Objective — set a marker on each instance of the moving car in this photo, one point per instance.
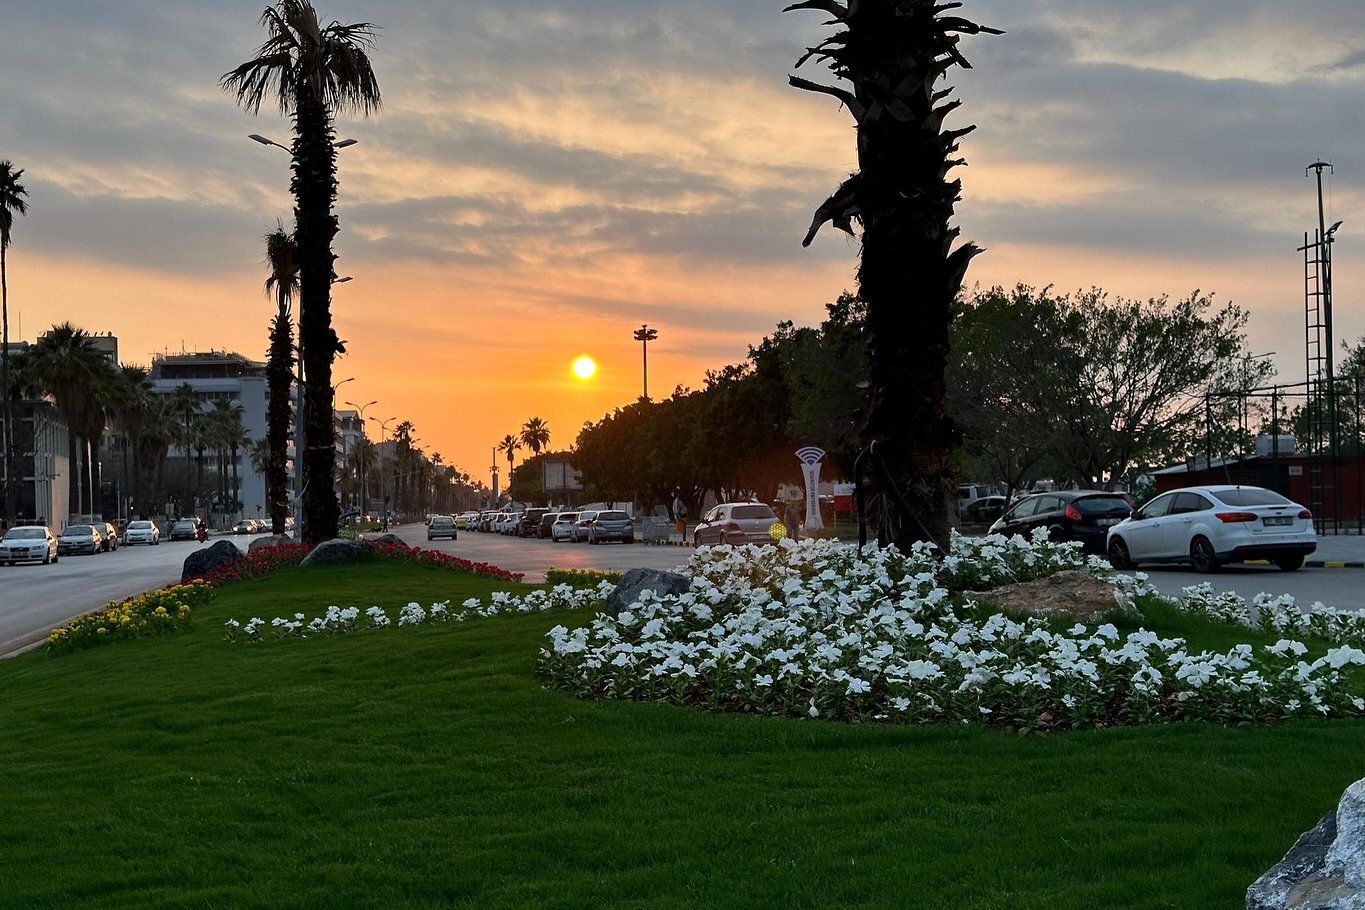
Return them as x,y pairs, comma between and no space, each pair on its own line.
735,523
611,525
1083,516
562,529
245,526
1209,526
185,529
141,532
441,526
80,539
33,542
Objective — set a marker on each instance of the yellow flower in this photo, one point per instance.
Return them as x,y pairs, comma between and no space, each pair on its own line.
102,630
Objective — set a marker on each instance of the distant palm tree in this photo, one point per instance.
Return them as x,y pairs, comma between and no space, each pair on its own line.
535,435
186,404
282,258
12,195
894,52
228,435
259,453
312,72
132,412
509,444
364,460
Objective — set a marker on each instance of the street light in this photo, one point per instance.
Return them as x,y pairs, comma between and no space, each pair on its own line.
360,408
343,144
644,334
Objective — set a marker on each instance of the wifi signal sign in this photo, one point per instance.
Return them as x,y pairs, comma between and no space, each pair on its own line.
810,455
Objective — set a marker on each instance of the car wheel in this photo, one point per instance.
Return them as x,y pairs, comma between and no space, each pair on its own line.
1202,557
1289,562
1119,556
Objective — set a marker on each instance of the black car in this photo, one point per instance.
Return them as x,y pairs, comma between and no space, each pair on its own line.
528,525
185,529
547,522
1084,516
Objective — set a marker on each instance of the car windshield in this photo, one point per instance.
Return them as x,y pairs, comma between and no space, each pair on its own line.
440,521
140,526
612,516
25,534
77,531
1252,497
1098,505
184,524
757,511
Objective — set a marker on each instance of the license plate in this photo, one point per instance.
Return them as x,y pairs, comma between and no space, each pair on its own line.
1107,521
1276,521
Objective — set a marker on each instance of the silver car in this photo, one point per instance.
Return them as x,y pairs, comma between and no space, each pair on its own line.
80,539
33,543
611,525
736,523
141,532
562,529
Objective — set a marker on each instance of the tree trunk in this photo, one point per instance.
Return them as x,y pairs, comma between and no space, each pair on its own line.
11,461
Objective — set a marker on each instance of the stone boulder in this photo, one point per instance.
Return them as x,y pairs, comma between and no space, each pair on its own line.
208,559
273,540
637,581
388,539
330,552
1064,595
1325,869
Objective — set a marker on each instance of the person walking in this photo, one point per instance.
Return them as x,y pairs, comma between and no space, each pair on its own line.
791,517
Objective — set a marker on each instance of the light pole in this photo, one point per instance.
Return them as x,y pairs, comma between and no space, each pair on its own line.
644,334
383,438
360,472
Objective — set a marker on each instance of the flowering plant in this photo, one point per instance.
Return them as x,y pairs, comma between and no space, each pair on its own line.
153,613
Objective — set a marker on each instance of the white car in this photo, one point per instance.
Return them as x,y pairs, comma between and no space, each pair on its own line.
141,532
1209,526
33,542
563,527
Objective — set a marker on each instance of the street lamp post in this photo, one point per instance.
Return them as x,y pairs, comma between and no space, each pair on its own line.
644,334
383,438
360,472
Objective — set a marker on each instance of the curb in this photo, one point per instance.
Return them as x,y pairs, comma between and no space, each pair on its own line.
1314,563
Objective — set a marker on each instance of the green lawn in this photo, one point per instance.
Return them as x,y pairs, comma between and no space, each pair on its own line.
427,768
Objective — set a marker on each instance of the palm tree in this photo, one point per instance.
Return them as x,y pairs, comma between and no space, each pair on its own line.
363,460
282,258
535,435
132,412
894,52
313,72
509,444
186,404
12,195
228,435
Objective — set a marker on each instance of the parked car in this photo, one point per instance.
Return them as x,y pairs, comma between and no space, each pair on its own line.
528,522
562,529
579,532
611,525
110,535
1213,525
984,510
466,520
80,539
735,523
506,524
184,529
141,532
546,527
32,542
1083,516
441,526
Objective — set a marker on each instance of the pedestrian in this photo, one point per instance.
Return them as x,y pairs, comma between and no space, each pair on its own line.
791,517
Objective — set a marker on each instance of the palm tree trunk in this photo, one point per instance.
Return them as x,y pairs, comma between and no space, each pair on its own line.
11,462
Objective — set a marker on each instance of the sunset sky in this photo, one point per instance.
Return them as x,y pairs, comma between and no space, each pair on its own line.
545,177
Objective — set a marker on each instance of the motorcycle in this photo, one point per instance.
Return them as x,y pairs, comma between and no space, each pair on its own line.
200,534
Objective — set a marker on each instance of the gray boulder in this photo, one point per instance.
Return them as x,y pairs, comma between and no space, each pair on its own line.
207,559
273,540
388,539
637,581
330,552
1325,869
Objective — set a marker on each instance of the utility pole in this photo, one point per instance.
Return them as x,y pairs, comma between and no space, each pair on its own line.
644,334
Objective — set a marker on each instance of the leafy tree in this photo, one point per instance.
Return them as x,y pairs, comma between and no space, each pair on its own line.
12,203
133,410
313,72
894,52
281,254
508,447
535,435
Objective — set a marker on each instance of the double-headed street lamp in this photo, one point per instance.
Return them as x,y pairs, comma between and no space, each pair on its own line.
644,334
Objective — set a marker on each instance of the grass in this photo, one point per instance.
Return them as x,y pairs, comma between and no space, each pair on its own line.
418,768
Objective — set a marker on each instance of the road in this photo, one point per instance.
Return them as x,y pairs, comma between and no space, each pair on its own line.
34,599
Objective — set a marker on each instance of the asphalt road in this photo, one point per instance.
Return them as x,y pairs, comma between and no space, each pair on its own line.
35,599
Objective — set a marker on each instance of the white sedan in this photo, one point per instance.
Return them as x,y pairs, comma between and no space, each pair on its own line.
1209,526
33,542
141,532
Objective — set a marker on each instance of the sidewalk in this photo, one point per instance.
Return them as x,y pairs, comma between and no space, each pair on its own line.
1338,551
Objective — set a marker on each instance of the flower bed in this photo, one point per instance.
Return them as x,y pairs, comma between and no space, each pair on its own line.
154,613
263,560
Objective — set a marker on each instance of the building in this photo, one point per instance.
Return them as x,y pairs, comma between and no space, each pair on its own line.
43,442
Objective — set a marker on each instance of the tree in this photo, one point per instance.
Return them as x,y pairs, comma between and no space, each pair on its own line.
313,73
12,195
894,52
509,446
535,435
281,255
186,404
132,412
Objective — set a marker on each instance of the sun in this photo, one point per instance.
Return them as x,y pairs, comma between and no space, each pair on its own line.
584,367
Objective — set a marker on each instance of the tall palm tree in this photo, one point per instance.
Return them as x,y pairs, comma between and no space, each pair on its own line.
364,460
894,52
228,435
312,72
535,435
282,259
186,404
509,445
12,195
132,411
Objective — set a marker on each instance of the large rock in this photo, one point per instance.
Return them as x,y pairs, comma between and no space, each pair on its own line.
274,540
207,559
1325,869
637,581
330,552
388,539
1066,594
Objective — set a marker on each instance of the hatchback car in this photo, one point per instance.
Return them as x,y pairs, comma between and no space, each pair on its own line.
1083,516
611,525
984,510
563,527
1210,526
736,523
80,539
579,532
33,542
141,532
441,526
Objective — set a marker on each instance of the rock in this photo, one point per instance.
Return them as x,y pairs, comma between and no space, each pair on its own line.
273,540
1066,594
1325,869
637,581
207,559
330,552
388,539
